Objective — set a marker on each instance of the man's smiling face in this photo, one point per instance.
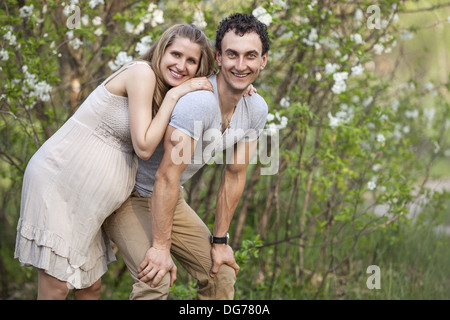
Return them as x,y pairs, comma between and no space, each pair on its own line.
241,59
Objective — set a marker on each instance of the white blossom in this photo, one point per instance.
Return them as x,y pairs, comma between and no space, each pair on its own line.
359,14
356,38
312,37
284,102
158,17
199,20
272,126
429,113
281,3
4,55
85,20
26,11
271,129
97,21
395,17
98,32
378,48
357,70
312,5
339,84
412,113
94,3
331,68
371,185
329,43
344,115
340,76
437,147
381,138
262,15
429,86
283,122
334,121
339,87
144,45
35,88
303,20
121,59
397,133
10,37
76,43
42,90
69,9
139,28
367,101
129,27
69,34
406,35
376,167
395,104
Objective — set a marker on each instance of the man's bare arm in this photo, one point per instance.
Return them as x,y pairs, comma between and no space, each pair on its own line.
178,150
230,191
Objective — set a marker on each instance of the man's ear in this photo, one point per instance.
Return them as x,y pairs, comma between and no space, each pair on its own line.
218,58
264,57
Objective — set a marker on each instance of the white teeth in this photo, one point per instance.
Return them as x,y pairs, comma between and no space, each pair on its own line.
240,75
176,74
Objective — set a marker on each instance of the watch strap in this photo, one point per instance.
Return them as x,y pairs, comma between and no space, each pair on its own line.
219,240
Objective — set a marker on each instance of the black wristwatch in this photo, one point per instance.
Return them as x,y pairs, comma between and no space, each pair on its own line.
219,240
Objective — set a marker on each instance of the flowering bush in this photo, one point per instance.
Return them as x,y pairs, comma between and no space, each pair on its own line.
352,140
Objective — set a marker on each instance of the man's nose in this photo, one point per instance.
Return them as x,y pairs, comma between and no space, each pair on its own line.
240,64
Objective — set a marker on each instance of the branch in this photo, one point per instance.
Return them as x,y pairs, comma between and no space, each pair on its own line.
438,6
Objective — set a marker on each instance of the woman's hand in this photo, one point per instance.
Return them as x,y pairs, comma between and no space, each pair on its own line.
193,84
250,90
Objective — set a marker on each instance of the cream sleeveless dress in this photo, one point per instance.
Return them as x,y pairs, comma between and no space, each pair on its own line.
79,176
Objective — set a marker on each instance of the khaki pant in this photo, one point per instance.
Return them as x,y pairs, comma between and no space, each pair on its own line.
130,229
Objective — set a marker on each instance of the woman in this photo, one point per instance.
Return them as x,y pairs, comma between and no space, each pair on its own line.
87,168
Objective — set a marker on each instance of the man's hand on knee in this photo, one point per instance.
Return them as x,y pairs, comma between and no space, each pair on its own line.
156,264
222,254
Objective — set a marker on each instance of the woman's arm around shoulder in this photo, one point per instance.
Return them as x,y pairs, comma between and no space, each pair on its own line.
140,84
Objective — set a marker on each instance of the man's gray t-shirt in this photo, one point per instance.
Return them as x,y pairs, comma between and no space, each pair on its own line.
197,114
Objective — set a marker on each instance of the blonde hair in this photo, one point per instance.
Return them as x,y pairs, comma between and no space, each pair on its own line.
155,53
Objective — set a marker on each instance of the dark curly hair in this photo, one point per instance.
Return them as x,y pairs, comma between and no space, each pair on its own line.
242,24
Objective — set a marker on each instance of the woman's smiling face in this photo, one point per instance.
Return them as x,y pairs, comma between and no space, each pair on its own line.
180,61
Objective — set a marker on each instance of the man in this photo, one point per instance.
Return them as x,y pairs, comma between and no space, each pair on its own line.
203,124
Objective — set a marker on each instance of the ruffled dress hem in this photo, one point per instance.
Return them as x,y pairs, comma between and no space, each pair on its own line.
46,250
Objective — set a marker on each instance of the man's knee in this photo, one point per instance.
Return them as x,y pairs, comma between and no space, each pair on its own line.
220,287
144,291
226,276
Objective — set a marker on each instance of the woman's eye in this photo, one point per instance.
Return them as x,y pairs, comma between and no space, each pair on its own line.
175,54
